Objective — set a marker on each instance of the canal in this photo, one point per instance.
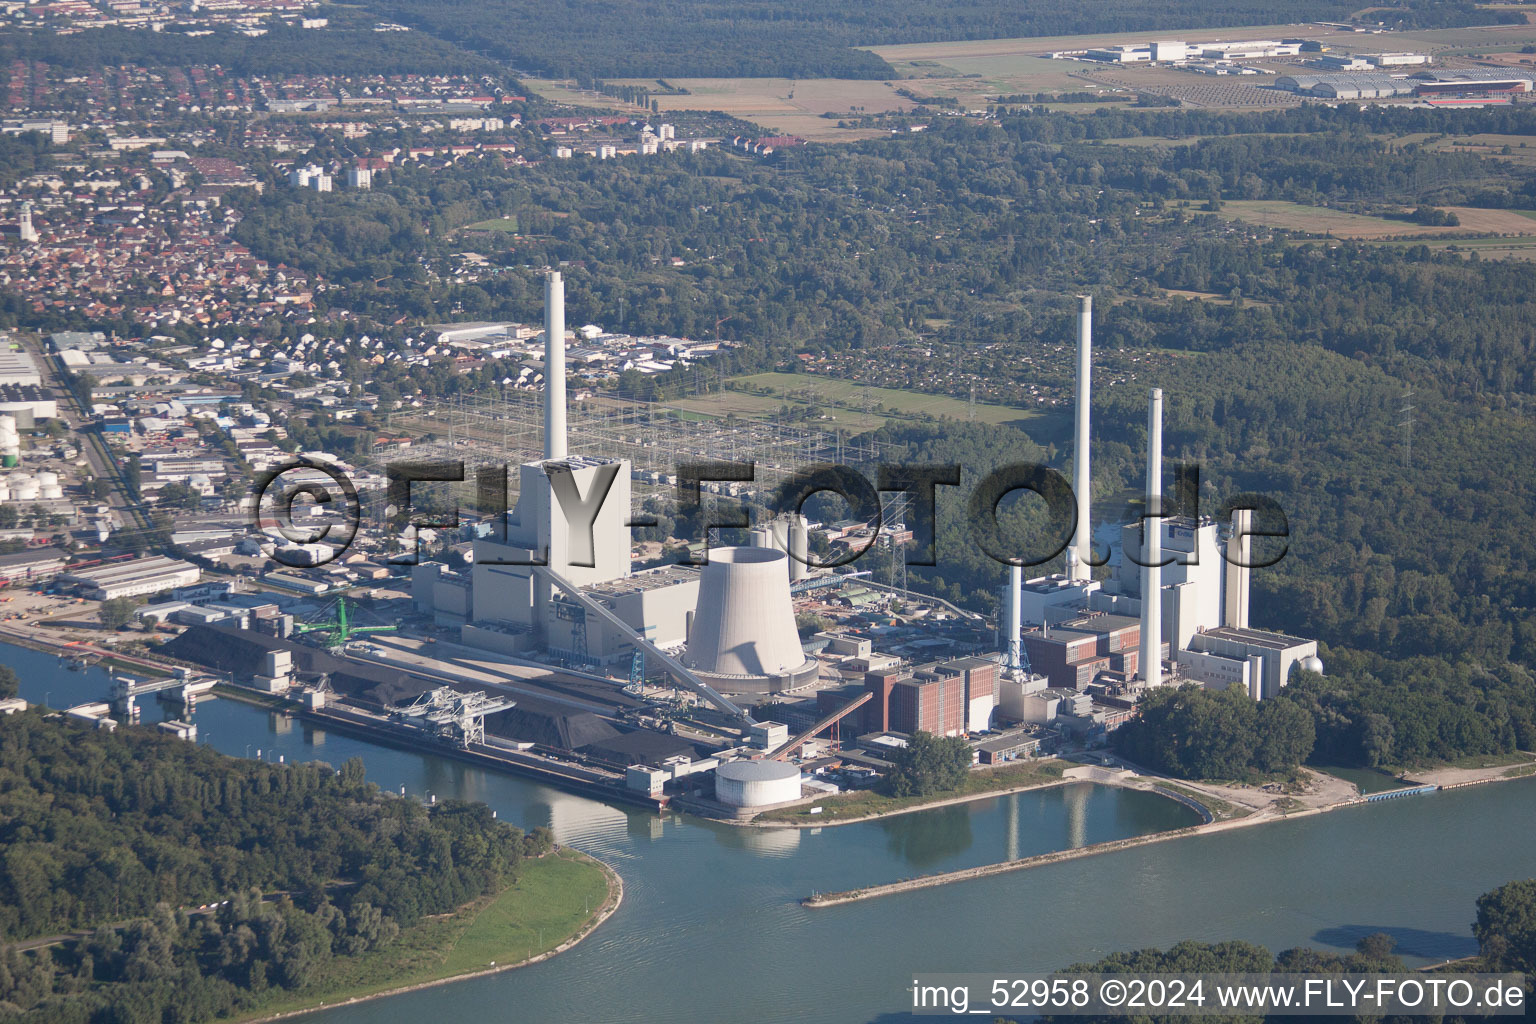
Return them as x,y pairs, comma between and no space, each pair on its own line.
711,929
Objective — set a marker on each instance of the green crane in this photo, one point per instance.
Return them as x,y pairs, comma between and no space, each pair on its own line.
340,629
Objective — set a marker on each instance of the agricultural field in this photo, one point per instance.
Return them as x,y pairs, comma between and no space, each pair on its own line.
781,105
847,405
1319,220
1485,248
1520,148
975,72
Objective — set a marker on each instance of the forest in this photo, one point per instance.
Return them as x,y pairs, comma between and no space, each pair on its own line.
124,835
346,47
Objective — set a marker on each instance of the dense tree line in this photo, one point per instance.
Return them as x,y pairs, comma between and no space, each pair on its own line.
346,47
1216,734
928,764
127,834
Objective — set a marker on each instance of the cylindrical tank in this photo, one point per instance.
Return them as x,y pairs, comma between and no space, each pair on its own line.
756,783
5,492
799,548
10,460
47,478
51,492
25,490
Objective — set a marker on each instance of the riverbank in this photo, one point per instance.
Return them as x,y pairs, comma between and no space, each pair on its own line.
1276,811
557,901
868,805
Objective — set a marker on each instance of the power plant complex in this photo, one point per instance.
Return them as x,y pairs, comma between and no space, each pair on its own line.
550,652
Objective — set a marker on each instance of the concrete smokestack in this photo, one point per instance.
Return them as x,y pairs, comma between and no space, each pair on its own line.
1013,628
554,366
1079,568
1152,532
1239,552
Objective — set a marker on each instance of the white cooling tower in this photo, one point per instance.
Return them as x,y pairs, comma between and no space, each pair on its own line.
743,638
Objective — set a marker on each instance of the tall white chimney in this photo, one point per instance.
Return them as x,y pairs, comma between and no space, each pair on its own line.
554,366
1239,552
1080,567
1015,623
1152,548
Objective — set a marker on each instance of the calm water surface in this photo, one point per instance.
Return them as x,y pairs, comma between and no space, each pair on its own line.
711,929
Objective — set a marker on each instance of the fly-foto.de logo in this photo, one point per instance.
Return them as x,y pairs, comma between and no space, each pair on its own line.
334,511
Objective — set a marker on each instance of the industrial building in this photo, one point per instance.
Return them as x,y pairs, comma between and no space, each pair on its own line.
1429,84
133,578
1110,633
1361,85
17,367
949,698
553,576
29,405
1259,662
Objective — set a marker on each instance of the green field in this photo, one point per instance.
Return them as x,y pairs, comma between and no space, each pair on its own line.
846,404
507,224
554,899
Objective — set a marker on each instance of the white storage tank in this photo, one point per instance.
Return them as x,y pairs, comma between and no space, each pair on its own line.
757,783
47,478
24,487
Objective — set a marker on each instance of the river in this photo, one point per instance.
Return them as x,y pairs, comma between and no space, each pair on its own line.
711,929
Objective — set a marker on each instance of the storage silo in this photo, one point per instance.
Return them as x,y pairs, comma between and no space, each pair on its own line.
757,783
10,443
24,487
799,548
743,638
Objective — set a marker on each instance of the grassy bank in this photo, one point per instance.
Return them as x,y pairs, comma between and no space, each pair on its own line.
868,803
555,900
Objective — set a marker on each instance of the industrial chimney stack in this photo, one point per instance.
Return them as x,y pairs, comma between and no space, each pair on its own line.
554,366
1239,555
1152,532
1080,568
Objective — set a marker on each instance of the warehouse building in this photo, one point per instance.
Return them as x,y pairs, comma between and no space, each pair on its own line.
1364,85
133,578
28,404
18,368
31,565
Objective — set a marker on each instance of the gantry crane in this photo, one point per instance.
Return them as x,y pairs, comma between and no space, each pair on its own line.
340,629
451,715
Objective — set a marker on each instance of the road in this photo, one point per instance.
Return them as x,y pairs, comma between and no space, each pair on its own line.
102,463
